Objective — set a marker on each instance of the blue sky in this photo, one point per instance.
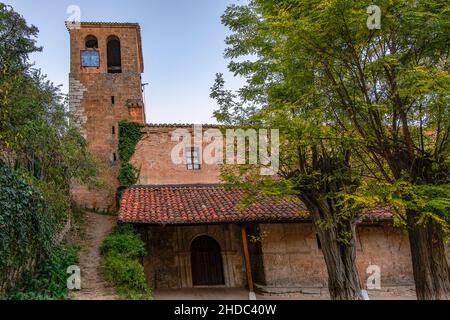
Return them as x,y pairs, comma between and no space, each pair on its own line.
183,43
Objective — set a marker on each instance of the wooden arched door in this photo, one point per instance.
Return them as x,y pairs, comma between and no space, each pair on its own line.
206,262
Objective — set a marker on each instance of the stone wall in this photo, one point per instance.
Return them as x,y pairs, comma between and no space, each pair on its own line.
286,258
290,256
91,93
167,263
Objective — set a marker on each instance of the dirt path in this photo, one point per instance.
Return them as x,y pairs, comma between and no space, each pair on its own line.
97,227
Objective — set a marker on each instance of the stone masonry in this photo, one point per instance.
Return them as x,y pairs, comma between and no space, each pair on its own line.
100,100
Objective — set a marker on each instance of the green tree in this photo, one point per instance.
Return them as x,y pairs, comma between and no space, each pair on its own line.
387,89
39,138
317,166
317,163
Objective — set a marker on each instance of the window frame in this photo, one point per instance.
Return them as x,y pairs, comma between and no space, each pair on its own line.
192,161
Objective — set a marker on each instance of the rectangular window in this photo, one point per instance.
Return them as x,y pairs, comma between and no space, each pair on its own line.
113,130
193,158
113,100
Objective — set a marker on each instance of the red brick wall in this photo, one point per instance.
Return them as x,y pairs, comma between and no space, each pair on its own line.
153,159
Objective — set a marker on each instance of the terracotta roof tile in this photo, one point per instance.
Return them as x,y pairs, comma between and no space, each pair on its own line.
209,204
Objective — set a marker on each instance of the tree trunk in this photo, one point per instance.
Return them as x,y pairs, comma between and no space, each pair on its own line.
340,258
430,266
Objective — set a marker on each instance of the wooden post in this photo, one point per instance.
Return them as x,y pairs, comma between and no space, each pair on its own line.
248,266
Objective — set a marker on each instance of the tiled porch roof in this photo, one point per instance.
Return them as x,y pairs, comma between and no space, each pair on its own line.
209,204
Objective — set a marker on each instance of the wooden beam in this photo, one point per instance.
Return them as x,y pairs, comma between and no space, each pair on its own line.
248,266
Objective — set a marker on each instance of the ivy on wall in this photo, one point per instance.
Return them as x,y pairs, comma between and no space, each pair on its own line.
129,136
49,280
26,228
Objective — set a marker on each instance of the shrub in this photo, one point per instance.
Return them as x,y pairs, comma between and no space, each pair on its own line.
125,244
50,280
127,275
122,252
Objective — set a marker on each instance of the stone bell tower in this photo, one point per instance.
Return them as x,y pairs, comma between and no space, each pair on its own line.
105,87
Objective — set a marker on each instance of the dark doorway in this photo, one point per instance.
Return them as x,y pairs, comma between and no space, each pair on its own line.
206,261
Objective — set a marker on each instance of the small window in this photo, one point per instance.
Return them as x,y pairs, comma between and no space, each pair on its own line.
193,158
319,244
113,130
114,157
113,100
91,42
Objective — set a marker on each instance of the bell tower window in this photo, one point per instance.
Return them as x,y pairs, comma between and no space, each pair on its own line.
114,55
91,42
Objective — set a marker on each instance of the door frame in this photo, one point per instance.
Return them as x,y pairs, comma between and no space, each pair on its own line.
222,265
